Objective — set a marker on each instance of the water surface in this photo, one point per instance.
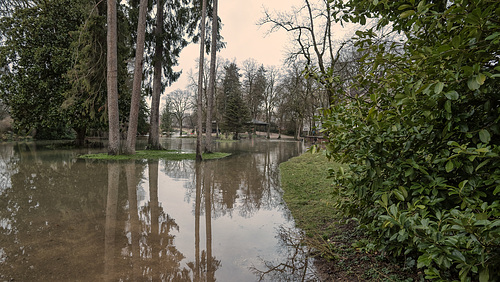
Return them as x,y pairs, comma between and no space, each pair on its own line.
67,219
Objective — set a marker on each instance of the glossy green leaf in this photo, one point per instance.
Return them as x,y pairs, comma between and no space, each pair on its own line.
497,190
398,195
449,166
473,84
406,14
404,7
384,199
447,106
452,95
484,275
493,36
480,78
483,163
438,87
484,136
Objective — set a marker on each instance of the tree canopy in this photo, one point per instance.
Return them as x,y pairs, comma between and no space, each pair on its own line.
37,56
235,112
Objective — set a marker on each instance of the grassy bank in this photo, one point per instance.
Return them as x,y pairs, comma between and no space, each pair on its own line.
308,193
336,242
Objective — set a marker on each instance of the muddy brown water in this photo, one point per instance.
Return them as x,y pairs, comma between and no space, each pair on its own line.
68,219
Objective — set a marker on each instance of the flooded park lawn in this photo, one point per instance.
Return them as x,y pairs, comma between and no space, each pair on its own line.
69,219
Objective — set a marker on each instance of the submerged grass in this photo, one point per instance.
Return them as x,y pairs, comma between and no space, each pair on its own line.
173,155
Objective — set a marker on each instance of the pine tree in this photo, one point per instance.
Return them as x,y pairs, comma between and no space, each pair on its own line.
235,112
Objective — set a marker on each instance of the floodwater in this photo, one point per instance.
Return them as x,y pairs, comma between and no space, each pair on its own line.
68,219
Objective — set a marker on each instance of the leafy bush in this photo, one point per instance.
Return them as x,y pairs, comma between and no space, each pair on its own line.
423,142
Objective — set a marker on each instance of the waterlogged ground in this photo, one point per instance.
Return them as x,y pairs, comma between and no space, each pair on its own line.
69,219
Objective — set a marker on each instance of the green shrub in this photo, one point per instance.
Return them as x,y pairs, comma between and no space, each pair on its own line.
423,143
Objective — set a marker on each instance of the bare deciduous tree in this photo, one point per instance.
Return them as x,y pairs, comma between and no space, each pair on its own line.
180,103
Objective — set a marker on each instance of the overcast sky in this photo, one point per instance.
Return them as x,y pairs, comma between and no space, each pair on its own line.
244,38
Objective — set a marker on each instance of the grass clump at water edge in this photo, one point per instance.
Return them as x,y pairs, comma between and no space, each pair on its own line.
333,238
156,154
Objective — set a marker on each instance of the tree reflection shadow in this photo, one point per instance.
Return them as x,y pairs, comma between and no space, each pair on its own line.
68,219
298,265
149,250
205,263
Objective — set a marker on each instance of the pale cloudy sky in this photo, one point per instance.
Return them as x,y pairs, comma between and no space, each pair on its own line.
244,38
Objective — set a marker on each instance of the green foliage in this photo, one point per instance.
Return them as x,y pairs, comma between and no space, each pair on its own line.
423,143
168,44
54,70
166,118
86,99
36,54
235,112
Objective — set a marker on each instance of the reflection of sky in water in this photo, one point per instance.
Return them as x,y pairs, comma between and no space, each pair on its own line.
3,255
246,208
240,239
5,223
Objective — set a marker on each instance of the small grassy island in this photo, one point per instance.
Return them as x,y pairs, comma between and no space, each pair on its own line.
172,155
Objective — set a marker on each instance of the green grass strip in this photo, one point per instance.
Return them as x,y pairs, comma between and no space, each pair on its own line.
155,154
308,193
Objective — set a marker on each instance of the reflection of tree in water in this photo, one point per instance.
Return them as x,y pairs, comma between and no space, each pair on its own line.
205,264
246,182
298,265
181,171
150,248
59,221
249,181
53,203
178,170
7,165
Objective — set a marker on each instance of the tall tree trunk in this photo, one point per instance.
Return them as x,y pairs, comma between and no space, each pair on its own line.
199,136
211,84
154,129
136,87
112,80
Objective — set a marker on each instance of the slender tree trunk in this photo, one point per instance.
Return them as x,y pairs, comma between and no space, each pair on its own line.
199,136
211,84
180,125
136,87
197,212
111,215
135,225
154,129
207,184
112,80
155,215
268,129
